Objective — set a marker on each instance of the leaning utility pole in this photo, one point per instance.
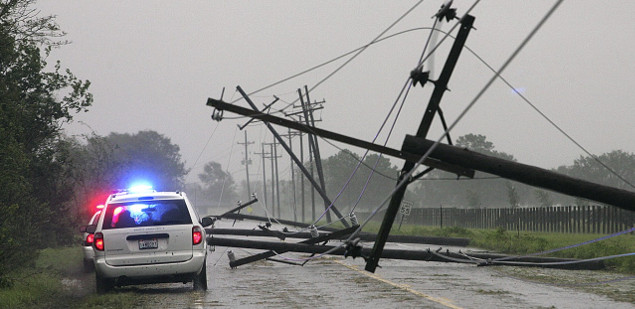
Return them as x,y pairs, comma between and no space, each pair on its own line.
313,148
275,158
440,86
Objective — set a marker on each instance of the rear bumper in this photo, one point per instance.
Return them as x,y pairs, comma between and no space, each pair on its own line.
88,253
152,273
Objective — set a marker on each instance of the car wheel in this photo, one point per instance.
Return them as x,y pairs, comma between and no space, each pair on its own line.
200,281
103,285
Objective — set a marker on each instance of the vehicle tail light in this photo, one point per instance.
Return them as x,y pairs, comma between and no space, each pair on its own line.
89,239
99,241
197,235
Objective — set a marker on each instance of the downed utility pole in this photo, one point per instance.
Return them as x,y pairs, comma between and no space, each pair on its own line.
240,206
451,159
530,175
271,253
220,105
363,236
481,259
440,86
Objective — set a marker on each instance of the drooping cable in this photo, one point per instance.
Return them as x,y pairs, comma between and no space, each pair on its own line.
406,179
568,247
231,151
358,52
460,117
406,88
204,147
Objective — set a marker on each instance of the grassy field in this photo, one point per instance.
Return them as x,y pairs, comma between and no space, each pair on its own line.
57,280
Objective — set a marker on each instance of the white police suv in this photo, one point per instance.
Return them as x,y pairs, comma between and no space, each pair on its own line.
149,237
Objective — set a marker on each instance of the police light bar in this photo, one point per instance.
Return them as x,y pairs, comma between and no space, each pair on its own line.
140,188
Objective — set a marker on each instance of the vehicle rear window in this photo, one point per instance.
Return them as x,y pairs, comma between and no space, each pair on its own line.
146,213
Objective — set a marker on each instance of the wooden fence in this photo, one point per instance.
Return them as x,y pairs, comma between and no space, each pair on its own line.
562,219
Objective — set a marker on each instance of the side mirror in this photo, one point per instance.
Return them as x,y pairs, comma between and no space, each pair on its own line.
82,229
91,228
207,221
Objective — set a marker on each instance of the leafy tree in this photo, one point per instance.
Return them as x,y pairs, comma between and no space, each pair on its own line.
588,168
374,179
34,103
147,156
218,185
103,164
620,172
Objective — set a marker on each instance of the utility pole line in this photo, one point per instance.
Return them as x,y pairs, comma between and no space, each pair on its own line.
302,178
295,159
310,121
275,158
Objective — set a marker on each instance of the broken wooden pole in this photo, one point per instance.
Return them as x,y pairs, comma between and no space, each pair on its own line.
443,241
235,216
419,255
270,253
220,105
440,87
240,206
527,174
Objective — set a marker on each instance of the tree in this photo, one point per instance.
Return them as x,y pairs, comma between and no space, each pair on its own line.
147,156
617,169
218,185
34,103
480,144
371,183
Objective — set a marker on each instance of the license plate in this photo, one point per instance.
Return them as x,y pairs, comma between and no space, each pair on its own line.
148,244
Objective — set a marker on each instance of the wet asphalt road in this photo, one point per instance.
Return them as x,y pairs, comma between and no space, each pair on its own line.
335,282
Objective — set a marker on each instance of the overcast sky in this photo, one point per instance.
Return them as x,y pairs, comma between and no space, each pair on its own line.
153,64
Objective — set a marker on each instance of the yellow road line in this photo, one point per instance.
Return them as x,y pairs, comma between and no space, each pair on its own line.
443,301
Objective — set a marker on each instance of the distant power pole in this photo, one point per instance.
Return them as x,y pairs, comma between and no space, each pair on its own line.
246,163
290,136
264,174
275,158
275,192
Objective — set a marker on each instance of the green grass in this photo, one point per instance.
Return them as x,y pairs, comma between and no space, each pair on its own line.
512,242
40,285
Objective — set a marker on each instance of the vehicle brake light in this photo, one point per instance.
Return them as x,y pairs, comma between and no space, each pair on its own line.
197,235
99,241
89,239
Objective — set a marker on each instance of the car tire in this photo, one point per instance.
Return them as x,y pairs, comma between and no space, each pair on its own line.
200,280
103,285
